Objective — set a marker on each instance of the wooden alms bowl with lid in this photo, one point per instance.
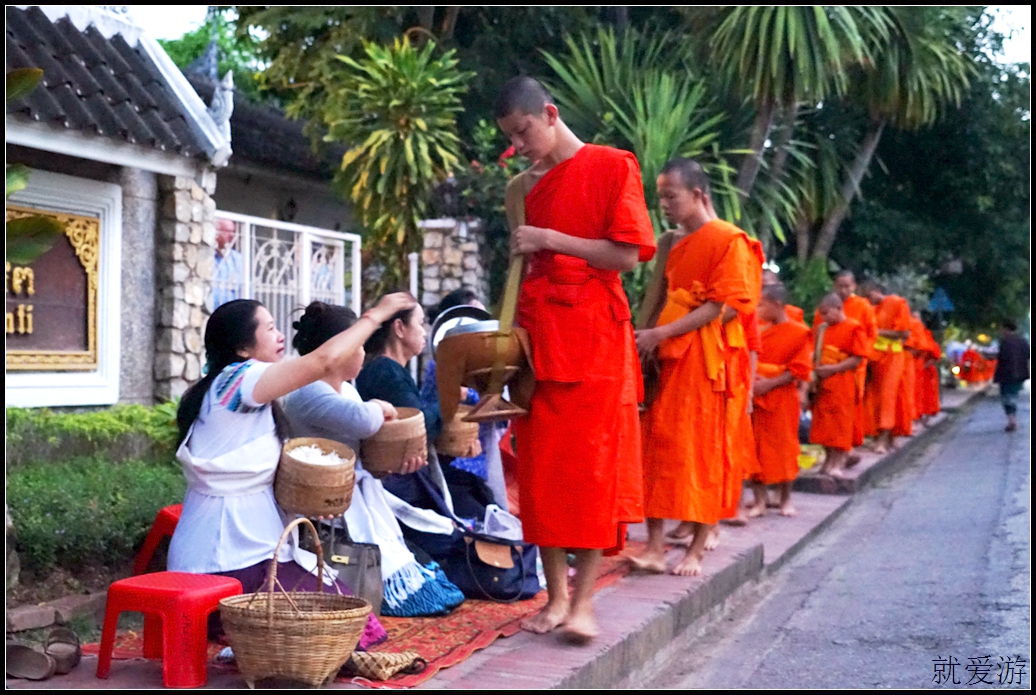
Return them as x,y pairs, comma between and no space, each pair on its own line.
395,443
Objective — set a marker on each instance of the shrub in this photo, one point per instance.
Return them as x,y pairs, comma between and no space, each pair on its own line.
86,511
119,433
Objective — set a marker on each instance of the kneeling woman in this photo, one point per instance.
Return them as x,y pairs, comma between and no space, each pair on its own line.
331,408
230,447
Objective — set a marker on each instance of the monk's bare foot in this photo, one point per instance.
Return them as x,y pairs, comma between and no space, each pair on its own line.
853,460
788,510
712,542
683,531
547,619
837,473
772,504
579,629
739,520
757,510
648,562
880,449
689,566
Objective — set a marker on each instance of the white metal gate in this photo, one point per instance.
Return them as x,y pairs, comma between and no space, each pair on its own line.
285,266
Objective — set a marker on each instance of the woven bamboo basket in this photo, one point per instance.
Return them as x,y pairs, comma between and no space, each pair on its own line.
301,636
459,438
396,442
312,489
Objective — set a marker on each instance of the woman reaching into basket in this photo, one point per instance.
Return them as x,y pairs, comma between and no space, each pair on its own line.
230,444
332,408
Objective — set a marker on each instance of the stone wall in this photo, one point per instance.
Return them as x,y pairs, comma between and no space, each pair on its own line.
185,253
452,258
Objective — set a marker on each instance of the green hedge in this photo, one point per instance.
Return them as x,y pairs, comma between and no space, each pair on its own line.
87,511
119,433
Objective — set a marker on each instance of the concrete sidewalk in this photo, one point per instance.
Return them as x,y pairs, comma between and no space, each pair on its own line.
639,616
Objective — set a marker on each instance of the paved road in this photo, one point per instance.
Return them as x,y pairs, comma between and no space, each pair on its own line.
933,564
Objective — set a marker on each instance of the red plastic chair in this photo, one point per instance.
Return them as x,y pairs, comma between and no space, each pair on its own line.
176,608
165,523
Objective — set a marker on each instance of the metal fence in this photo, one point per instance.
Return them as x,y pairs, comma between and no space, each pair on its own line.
285,266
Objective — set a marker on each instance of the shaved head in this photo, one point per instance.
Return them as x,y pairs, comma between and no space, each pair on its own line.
776,292
690,172
845,273
522,94
830,301
770,277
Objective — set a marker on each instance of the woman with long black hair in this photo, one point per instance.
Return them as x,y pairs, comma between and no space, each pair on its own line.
230,445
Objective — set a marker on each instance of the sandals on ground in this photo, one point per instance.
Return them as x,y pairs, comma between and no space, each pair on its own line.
26,662
62,645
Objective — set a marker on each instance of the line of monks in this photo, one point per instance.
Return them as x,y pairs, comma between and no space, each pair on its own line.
737,363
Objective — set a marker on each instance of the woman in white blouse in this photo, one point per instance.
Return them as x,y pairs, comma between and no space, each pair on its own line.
230,446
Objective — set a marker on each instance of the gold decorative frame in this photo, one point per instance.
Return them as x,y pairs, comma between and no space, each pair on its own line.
85,236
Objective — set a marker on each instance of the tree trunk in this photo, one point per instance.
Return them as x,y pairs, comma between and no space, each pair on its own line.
750,167
802,228
780,159
425,16
850,189
449,23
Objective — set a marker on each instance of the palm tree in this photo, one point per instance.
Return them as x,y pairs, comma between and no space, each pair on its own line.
777,57
914,76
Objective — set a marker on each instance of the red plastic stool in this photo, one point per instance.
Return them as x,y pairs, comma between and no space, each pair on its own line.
165,523
176,608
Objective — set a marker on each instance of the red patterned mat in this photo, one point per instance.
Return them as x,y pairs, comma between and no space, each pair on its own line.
442,642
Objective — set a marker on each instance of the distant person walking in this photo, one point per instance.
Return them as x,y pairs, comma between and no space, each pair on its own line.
1012,371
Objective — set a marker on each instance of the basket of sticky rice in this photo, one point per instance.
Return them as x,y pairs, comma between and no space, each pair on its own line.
395,443
315,477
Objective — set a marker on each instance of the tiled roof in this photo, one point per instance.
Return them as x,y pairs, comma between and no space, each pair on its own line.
264,135
98,85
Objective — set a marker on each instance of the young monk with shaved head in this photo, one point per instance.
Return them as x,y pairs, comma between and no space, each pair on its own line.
689,472
892,315
579,461
842,345
784,360
790,310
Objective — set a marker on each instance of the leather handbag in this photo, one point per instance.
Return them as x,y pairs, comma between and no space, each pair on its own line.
494,569
358,565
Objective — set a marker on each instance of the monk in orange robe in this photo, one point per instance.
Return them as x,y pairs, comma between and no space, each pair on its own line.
578,449
689,473
861,310
927,378
790,310
784,359
906,402
843,344
893,319
972,366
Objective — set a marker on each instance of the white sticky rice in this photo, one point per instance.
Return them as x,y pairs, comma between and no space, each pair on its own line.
313,454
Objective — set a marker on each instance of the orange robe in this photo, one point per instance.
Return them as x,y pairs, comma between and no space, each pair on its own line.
689,472
834,408
862,311
972,367
786,347
927,384
743,436
892,314
578,449
794,313
906,400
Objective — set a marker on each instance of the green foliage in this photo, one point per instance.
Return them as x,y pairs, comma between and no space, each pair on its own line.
21,82
237,51
119,432
86,511
397,109
807,283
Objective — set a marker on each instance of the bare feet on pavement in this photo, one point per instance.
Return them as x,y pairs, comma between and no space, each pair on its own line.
683,531
579,629
547,619
852,460
711,543
648,562
788,510
757,510
689,566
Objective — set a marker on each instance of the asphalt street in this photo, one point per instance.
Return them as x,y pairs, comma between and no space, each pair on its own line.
923,582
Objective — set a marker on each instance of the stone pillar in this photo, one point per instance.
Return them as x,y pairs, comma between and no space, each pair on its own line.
185,261
137,325
452,258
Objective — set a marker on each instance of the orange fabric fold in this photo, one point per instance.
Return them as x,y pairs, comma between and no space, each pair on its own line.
834,408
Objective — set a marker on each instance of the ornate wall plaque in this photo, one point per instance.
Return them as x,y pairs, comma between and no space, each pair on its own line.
51,321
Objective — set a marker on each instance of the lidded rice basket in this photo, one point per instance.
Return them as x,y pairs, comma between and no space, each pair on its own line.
313,489
459,438
395,443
